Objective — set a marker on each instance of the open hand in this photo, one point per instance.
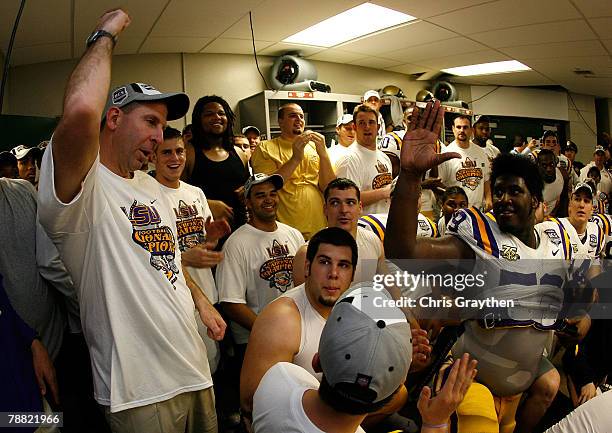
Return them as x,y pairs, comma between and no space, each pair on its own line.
437,410
216,229
201,256
418,152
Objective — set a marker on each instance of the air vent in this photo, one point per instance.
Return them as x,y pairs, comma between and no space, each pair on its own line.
583,72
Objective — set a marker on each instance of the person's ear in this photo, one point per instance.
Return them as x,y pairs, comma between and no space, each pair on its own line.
112,118
307,269
316,363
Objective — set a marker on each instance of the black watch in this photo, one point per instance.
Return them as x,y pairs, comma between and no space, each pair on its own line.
97,35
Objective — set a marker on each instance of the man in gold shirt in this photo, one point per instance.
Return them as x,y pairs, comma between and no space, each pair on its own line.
300,157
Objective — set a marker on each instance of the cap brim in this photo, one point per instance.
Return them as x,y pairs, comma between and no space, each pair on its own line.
177,103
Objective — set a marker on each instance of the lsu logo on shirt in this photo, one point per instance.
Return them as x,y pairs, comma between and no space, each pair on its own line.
189,225
278,270
469,174
384,177
155,238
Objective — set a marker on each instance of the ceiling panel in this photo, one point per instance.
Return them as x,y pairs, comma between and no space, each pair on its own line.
506,13
566,31
603,26
562,69
335,55
173,45
143,14
486,56
526,78
425,9
40,53
283,47
556,49
275,20
408,35
608,44
375,62
409,68
188,18
36,15
455,46
235,46
594,8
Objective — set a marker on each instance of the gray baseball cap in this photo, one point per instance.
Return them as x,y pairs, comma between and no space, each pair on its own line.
276,179
366,343
583,186
177,103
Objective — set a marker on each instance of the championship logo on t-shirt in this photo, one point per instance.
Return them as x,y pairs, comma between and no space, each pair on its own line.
469,175
278,270
383,178
189,225
157,239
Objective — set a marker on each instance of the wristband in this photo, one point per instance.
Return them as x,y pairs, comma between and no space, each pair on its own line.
426,425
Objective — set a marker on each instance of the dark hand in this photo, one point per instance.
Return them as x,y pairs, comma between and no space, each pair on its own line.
419,145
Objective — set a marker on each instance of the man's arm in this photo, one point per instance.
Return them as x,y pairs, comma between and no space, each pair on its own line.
375,195
239,313
488,198
275,337
208,314
299,266
76,139
418,155
262,164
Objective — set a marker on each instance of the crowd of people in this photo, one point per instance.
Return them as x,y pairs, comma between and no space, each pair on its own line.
204,280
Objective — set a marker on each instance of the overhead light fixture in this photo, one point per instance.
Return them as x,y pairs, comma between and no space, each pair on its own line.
361,20
488,68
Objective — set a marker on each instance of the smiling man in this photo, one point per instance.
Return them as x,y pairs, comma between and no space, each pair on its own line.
289,328
117,236
258,264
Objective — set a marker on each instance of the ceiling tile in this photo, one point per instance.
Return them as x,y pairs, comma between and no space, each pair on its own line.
449,47
425,9
408,35
188,18
41,53
335,55
485,56
603,26
235,46
375,62
143,14
608,44
576,30
594,8
283,47
525,78
270,24
409,68
173,45
562,69
36,16
556,49
504,14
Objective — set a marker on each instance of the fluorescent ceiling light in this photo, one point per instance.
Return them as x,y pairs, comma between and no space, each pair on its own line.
359,21
488,68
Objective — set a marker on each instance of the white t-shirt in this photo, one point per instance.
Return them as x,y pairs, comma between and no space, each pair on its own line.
594,416
552,192
370,249
470,172
257,268
335,152
370,170
277,402
190,209
492,151
117,238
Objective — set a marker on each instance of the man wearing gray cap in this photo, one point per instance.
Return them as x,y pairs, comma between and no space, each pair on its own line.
364,355
26,162
252,134
118,238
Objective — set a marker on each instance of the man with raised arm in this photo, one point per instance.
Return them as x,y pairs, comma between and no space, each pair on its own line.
117,235
508,345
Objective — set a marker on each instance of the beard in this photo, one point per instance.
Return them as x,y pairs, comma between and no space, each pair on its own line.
328,302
